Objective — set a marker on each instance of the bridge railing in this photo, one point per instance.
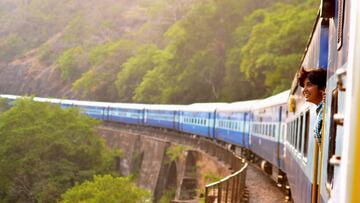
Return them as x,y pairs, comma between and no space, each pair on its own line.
229,189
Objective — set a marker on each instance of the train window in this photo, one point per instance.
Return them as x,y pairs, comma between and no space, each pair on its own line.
266,129
294,133
270,131
274,130
306,136
291,133
301,132
332,139
297,134
260,128
283,132
288,132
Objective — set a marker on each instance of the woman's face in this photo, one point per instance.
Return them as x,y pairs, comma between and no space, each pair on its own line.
312,93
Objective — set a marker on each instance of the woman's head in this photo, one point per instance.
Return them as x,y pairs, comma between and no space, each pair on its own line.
314,84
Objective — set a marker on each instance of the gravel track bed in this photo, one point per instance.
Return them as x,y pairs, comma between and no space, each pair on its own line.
261,188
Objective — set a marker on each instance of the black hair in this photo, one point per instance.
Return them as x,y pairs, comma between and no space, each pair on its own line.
316,76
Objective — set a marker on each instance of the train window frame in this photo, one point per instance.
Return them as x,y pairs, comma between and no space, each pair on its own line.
292,133
305,151
283,131
274,130
288,133
297,134
301,131
266,130
330,171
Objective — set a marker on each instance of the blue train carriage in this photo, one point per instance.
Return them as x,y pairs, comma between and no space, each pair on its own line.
307,165
10,99
98,110
199,118
163,116
267,132
126,113
233,123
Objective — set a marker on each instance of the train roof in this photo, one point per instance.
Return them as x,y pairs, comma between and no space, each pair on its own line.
277,99
204,107
169,107
51,100
85,103
239,106
127,105
8,96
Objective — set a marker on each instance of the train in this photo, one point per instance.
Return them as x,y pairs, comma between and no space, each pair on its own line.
278,131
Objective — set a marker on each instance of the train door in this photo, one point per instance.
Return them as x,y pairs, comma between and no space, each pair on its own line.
177,120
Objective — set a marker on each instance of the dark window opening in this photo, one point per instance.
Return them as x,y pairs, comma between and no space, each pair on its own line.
301,132
332,138
306,136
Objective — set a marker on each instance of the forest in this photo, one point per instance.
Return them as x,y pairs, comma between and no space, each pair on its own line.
49,154
160,51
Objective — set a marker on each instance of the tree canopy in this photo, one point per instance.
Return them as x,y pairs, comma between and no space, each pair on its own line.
106,189
45,150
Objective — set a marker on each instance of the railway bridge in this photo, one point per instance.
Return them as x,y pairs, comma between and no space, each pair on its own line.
166,161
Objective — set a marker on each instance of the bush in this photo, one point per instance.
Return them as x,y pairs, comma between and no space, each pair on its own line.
106,189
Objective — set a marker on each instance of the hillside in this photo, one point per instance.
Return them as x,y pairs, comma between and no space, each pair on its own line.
152,51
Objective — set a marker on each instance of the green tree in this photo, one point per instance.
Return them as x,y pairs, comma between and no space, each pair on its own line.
106,60
44,150
69,63
134,69
106,189
11,46
274,47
